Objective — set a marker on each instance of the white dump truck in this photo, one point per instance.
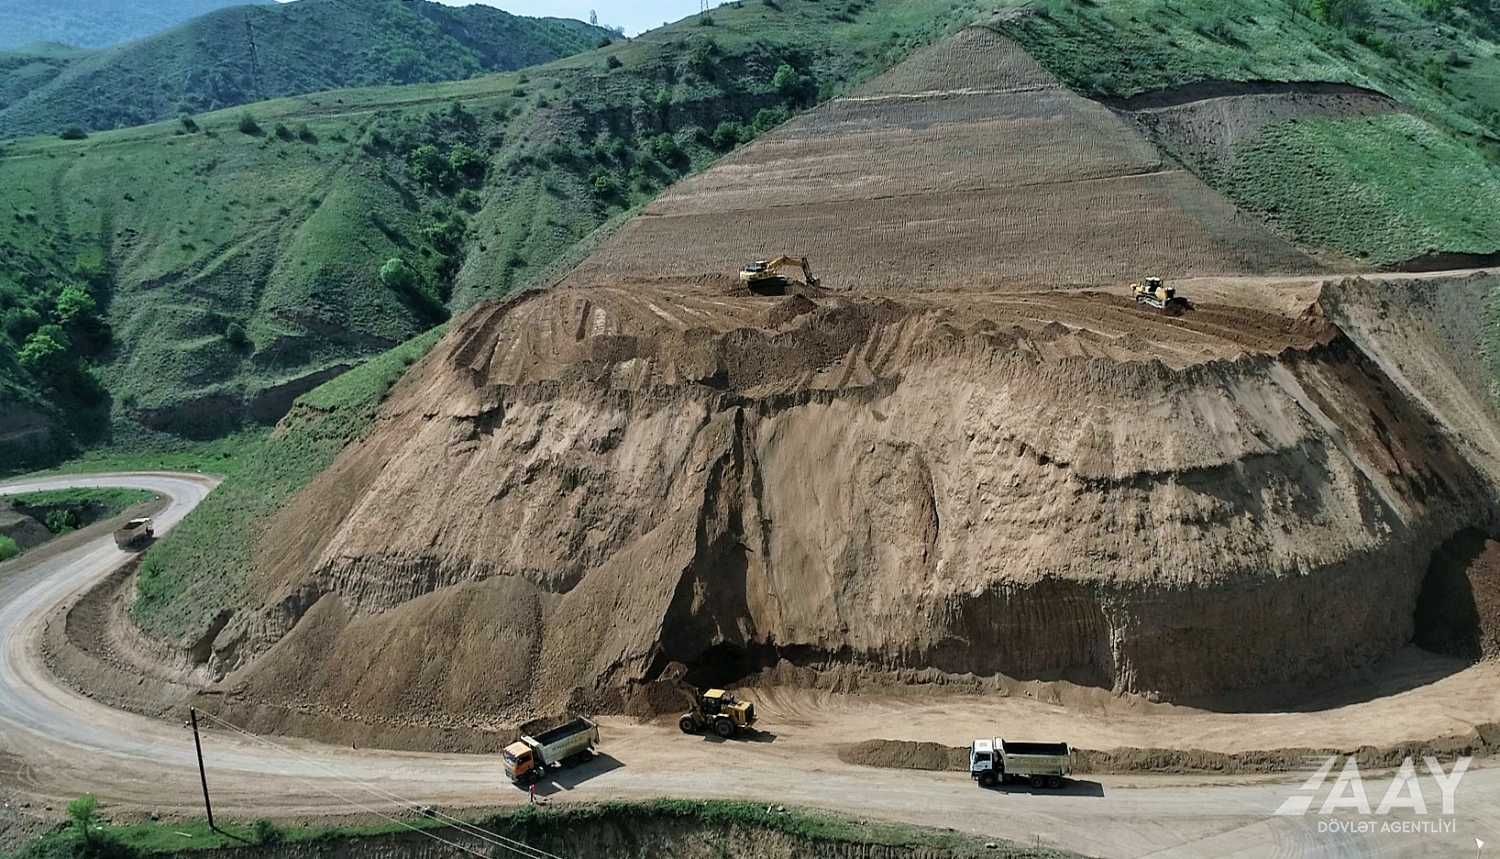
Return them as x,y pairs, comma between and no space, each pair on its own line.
996,761
136,532
529,757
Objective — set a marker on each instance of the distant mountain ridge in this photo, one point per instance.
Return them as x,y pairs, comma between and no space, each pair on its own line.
251,53
97,23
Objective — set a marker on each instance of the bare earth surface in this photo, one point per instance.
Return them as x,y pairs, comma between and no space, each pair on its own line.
62,744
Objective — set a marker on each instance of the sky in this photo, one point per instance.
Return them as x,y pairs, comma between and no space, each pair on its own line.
634,15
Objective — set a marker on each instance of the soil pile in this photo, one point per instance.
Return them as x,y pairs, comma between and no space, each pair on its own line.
579,487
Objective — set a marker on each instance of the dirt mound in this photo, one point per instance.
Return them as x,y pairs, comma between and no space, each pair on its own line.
579,487
1482,741
967,166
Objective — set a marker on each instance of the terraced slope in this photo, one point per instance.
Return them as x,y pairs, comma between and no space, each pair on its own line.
969,166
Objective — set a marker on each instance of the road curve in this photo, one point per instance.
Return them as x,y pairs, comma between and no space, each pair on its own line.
60,744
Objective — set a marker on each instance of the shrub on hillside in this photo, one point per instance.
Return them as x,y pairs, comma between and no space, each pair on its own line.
248,125
267,832
73,133
397,276
45,352
728,135
189,125
235,335
74,304
612,62
8,548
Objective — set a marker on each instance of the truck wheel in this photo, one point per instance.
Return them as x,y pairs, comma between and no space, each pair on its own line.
987,779
687,724
724,727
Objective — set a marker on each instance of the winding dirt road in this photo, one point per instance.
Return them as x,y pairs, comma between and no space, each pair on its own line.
56,744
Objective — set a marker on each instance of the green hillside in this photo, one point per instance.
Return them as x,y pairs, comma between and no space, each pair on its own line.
251,53
241,257
97,23
1382,190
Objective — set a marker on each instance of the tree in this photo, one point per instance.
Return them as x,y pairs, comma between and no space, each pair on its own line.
74,304
593,18
82,811
785,79
45,352
428,166
397,275
467,162
235,334
728,135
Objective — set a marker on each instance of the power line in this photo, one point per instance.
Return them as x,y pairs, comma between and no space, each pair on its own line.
492,838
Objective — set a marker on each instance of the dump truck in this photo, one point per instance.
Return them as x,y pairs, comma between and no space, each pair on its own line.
1153,293
719,711
136,532
996,761
765,275
528,758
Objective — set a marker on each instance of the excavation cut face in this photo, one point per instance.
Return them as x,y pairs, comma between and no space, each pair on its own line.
593,483
968,166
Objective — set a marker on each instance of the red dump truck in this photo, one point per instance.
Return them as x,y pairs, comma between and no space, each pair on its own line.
529,757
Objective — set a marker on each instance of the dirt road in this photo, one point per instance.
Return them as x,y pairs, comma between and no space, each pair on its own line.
58,744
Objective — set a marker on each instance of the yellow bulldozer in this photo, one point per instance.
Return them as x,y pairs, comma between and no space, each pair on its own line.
765,275
1153,293
720,712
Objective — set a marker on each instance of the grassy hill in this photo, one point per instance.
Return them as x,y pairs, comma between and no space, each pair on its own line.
97,23
1419,179
251,53
239,259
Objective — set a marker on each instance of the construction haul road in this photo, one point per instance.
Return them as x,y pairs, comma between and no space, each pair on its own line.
56,744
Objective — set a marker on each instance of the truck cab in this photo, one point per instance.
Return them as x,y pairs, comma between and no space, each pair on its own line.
520,761
982,762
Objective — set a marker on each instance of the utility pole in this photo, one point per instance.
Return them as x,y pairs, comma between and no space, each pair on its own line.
202,774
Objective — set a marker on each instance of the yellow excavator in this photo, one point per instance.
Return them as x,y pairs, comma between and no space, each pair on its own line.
1152,293
766,274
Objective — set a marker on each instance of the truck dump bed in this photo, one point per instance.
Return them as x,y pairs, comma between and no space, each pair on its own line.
1050,750
562,732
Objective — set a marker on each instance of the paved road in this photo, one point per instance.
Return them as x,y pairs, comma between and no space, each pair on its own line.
60,744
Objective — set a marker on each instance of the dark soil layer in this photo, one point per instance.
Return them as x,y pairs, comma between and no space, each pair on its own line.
1458,610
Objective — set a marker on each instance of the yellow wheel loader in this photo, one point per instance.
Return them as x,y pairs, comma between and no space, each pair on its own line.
718,711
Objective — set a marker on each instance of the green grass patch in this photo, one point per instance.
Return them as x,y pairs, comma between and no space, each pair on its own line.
1384,189
543,827
65,510
8,548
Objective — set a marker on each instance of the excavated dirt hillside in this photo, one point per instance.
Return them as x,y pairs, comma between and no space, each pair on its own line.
579,487
949,461
967,166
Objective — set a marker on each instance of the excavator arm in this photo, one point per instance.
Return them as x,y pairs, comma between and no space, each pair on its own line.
767,269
